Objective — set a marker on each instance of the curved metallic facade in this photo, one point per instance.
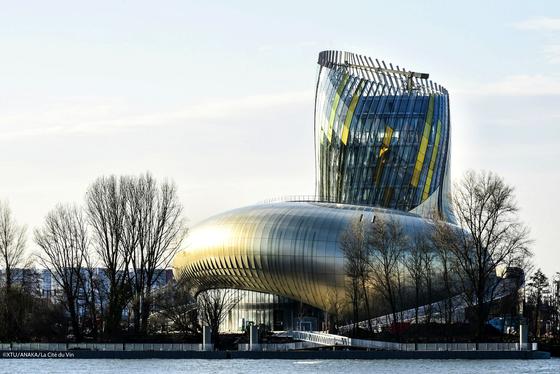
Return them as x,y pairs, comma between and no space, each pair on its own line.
381,135
382,149
290,249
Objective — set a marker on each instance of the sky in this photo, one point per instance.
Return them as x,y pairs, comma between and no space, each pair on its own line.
218,95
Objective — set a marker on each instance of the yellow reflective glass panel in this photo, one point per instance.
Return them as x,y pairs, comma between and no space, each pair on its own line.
423,144
336,100
350,113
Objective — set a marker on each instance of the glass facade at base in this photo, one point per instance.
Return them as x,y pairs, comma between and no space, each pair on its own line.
276,312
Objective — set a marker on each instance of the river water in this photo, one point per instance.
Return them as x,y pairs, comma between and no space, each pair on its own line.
279,366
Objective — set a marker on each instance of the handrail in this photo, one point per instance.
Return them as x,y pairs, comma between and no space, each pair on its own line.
334,340
299,198
112,347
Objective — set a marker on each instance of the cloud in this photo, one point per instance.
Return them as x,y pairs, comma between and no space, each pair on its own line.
539,24
238,106
552,53
544,24
518,85
74,119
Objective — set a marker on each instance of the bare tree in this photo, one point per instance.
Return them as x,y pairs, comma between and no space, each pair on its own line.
414,264
446,264
429,273
539,289
12,243
353,243
401,280
137,229
106,206
336,305
214,306
92,293
12,247
555,296
153,231
64,243
387,245
491,236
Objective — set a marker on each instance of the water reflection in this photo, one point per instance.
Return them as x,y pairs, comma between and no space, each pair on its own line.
280,366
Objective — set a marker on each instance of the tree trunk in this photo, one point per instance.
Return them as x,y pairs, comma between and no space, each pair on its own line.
74,319
137,316
93,311
480,315
355,306
8,278
215,334
416,303
145,315
366,300
537,317
114,316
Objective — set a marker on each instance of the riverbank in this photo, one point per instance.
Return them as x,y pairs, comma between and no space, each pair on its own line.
288,355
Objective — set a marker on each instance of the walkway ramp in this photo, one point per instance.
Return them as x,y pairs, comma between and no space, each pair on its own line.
338,340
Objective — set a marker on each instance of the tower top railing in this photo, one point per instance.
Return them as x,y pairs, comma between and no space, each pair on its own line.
374,70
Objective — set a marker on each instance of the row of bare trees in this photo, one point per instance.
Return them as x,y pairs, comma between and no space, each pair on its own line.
387,271
106,256
137,227
408,268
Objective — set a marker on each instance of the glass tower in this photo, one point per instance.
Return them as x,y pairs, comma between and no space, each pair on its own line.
381,135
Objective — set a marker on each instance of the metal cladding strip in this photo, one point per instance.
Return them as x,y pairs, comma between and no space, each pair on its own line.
353,99
432,162
336,148
331,80
390,179
443,170
366,156
335,105
403,166
355,126
335,78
